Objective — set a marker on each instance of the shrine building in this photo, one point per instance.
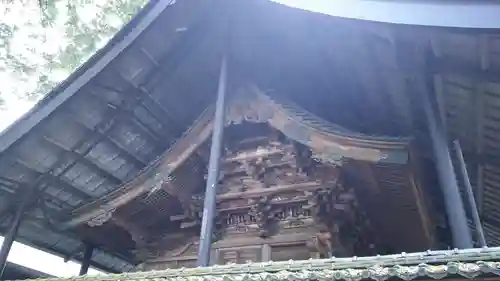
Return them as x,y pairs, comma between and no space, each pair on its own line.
248,140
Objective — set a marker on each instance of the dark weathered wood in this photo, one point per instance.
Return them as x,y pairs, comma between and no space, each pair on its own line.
81,159
479,118
166,164
10,237
87,258
47,179
465,69
299,219
416,174
470,195
415,60
446,174
344,144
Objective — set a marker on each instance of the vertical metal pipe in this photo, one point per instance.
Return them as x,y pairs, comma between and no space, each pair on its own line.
10,237
87,257
446,174
213,171
470,194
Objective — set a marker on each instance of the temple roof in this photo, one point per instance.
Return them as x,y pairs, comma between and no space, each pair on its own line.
468,263
108,124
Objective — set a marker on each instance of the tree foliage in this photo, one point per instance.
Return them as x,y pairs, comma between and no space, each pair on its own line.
42,42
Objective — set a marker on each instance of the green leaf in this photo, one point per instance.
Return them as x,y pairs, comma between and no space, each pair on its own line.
81,38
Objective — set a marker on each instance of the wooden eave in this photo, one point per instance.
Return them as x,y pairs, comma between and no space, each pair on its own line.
114,122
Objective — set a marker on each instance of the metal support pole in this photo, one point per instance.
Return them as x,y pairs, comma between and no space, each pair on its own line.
213,171
470,195
446,174
87,257
10,237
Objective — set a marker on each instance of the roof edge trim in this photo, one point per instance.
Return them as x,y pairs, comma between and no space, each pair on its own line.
83,74
324,137
153,177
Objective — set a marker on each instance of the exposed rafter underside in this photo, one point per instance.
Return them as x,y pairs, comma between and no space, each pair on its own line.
328,140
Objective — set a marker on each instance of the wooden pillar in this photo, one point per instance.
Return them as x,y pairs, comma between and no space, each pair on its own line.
205,245
10,237
470,195
446,174
87,257
413,60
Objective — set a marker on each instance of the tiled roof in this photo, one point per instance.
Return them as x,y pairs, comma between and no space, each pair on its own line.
433,264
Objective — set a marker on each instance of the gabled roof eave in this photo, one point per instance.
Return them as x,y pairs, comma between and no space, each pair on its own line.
83,74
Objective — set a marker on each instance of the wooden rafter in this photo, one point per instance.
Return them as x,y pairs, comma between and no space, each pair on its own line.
350,145
155,175
85,161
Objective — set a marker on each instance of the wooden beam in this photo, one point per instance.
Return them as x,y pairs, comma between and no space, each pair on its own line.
479,194
102,135
155,175
138,235
11,235
60,161
158,112
48,178
209,204
440,98
416,68
479,121
87,162
127,113
423,211
473,71
64,185
150,105
87,258
84,74
261,192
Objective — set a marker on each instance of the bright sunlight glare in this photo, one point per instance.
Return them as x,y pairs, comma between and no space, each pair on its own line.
44,262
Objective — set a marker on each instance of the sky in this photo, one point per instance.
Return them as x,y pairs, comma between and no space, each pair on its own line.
44,262
21,13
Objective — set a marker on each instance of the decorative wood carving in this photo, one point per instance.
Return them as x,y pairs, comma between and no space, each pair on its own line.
261,214
273,193
328,143
102,218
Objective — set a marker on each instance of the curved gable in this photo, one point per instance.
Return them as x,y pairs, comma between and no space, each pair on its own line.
329,142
